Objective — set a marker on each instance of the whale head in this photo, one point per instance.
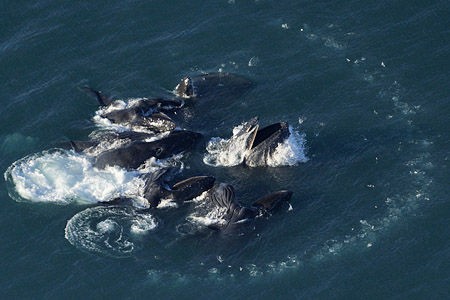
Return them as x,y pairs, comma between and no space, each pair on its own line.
185,89
265,143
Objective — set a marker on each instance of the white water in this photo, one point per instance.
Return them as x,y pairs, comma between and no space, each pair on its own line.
64,177
104,123
228,152
202,214
112,231
232,151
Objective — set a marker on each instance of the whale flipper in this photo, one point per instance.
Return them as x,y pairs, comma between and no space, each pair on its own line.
101,98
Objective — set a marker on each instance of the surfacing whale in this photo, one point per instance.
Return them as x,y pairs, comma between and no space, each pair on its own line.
235,214
133,155
145,112
265,142
157,189
184,190
253,145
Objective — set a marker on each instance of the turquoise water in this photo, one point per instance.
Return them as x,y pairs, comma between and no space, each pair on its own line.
366,83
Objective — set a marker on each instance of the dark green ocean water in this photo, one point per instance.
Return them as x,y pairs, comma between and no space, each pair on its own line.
365,81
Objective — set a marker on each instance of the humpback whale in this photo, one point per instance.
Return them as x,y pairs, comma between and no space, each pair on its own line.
223,197
145,104
254,146
265,142
184,190
133,155
213,86
145,112
126,137
157,189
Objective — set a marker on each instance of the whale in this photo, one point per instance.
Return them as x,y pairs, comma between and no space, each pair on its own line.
264,144
144,104
133,155
157,122
258,144
156,189
145,112
213,86
125,137
222,196
182,191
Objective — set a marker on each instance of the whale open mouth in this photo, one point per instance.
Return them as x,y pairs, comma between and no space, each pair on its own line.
249,131
264,143
277,132
268,136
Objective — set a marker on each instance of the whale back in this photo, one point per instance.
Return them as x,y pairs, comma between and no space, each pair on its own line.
192,187
136,153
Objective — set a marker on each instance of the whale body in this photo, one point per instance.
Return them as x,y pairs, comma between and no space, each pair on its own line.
133,155
235,214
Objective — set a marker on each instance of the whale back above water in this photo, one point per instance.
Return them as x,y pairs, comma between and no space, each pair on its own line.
184,190
148,113
135,154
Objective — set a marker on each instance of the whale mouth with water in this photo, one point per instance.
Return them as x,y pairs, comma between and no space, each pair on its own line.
274,146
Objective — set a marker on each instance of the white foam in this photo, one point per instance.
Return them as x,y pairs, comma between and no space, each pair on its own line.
232,152
228,152
167,203
64,177
204,213
103,122
109,230
290,152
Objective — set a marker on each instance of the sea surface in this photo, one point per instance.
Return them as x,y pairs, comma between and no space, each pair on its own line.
363,84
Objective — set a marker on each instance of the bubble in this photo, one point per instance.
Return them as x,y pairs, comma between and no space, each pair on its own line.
109,230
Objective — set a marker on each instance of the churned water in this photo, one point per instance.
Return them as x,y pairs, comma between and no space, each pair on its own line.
363,86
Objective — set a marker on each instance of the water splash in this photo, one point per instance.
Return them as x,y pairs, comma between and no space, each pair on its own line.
232,151
63,177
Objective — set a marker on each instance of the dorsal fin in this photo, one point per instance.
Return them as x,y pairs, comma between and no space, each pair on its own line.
101,98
